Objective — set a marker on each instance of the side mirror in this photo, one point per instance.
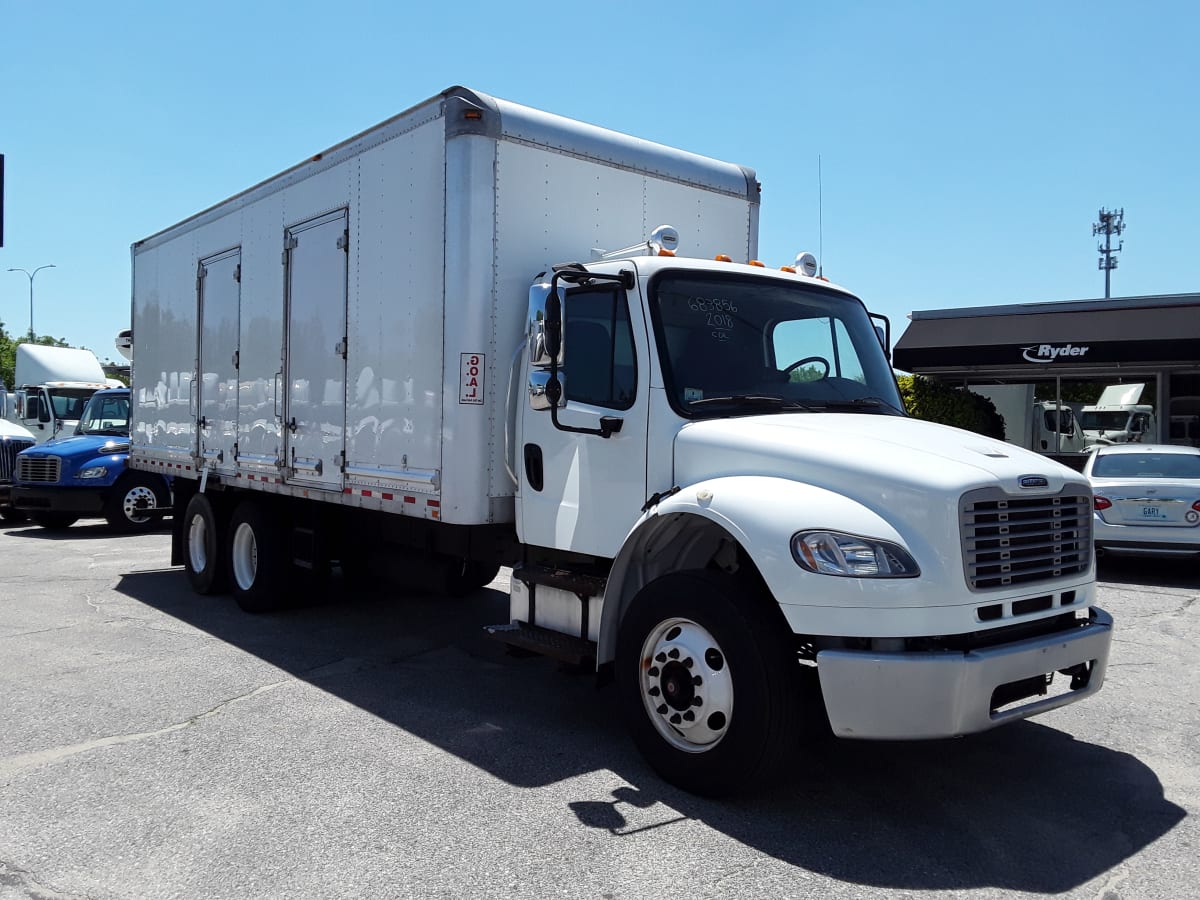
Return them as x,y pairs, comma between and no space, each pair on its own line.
544,391
545,341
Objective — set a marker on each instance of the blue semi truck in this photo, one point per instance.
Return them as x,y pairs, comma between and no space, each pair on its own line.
84,474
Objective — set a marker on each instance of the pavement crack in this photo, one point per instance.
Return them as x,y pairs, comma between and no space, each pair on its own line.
14,877
14,765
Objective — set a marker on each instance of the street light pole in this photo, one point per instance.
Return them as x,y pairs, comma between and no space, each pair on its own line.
30,276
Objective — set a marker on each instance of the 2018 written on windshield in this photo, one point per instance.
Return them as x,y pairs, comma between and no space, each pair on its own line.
716,312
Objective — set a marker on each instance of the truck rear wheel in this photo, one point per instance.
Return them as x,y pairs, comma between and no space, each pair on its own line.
131,497
203,549
257,562
708,683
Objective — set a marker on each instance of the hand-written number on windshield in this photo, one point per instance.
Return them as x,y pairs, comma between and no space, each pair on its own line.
711,305
720,320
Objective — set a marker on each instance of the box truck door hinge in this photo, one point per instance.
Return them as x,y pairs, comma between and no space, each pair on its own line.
340,348
343,241
237,359
237,273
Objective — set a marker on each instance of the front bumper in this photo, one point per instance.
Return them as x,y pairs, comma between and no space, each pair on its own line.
922,695
85,501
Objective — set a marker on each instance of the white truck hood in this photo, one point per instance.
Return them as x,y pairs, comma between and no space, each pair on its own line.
873,458
13,430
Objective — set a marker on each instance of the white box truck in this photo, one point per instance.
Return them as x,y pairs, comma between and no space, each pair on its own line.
419,345
1046,426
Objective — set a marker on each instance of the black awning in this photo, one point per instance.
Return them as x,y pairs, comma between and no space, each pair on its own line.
1046,338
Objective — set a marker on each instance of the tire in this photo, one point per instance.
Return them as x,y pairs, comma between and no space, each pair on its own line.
256,560
691,645
13,515
464,576
53,521
133,493
203,547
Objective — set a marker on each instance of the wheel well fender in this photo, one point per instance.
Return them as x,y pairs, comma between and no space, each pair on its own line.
741,524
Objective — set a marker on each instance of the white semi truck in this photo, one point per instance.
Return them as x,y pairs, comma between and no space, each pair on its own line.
1118,418
420,345
53,385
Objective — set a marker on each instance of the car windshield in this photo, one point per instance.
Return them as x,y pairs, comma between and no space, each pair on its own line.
1112,420
1146,465
106,414
738,345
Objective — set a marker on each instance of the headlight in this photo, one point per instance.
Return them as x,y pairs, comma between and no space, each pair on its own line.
834,553
93,472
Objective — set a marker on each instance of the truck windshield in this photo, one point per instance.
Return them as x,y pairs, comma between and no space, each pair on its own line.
1061,420
1095,420
68,403
738,345
106,414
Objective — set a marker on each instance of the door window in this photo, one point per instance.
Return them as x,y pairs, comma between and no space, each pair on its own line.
598,351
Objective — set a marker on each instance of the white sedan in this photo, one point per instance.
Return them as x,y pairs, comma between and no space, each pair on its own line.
1146,498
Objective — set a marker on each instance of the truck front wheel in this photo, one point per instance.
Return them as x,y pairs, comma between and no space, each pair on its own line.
203,549
708,683
134,494
257,562
53,521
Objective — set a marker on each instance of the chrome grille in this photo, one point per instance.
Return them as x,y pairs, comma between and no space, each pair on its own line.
9,448
1011,540
39,469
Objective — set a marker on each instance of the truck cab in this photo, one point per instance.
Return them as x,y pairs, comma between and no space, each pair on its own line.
53,385
727,444
1118,418
84,474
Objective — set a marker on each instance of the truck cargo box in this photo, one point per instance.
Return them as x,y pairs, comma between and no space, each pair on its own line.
345,330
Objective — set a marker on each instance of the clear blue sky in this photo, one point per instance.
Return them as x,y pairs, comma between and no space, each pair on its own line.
966,147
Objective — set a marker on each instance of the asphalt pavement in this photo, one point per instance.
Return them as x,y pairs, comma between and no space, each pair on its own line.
158,744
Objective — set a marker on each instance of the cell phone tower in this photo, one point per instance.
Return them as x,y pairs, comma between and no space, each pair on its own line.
1112,221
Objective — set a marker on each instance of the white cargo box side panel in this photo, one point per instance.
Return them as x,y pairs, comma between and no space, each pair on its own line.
164,334
260,441
475,371
394,364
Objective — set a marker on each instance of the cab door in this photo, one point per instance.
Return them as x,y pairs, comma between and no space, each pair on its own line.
583,492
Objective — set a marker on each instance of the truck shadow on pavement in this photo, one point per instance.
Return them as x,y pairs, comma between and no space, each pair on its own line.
1149,571
1024,808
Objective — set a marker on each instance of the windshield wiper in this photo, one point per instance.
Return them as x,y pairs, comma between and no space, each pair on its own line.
859,403
752,400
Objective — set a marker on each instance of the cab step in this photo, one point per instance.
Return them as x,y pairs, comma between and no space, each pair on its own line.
544,642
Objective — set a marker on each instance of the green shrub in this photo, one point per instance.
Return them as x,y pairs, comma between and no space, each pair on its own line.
935,401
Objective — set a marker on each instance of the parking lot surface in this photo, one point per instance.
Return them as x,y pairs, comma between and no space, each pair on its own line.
160,744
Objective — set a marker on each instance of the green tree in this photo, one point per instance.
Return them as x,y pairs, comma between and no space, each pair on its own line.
8,353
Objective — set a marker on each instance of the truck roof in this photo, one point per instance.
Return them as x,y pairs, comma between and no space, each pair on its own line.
508,122
58,366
